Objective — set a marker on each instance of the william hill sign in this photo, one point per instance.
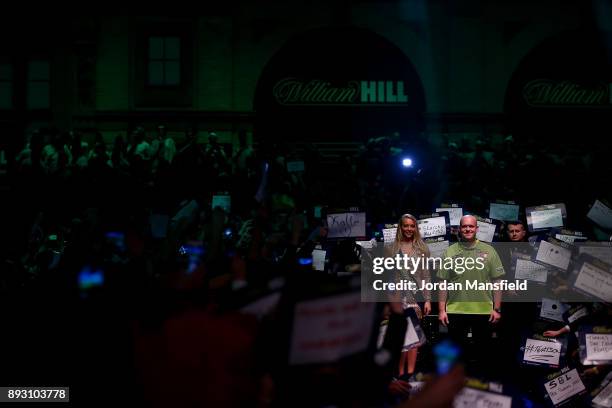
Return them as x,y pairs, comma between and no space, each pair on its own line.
292,91
563,93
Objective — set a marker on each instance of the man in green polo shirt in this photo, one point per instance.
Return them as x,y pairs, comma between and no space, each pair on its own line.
470,307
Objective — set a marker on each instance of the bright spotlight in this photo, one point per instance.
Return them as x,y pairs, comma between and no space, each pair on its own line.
407,162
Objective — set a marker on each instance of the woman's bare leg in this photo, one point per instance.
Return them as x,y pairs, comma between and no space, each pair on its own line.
411,356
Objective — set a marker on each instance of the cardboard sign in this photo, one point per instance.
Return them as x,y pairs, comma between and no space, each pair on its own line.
346,225
389,234
601,251
529,270
564,387
437,248
570,239
547,219
455,214
601,215
366,244
327,329
598,346
595,281
470,398
542,352
553,309
581,312
318,259
504,212
603,398
554,255
486,231
432,227
545,216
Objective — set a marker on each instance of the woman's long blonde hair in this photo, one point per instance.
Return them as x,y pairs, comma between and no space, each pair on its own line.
417,242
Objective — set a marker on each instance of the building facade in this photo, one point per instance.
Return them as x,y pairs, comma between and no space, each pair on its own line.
350,70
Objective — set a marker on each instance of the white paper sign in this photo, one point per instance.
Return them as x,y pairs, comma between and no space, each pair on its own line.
389,234
553,309
366,244
598,346
601,215
566,238
454,213
577,315
504,212
325,330
472,398
564,387
595,281
604,398
601,252
345,225
294,166
436,249
547,218
529,270
263,306
486,231
432,227
553,255
411,336
318,259
545,352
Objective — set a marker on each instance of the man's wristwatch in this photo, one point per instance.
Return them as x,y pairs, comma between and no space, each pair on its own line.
497,309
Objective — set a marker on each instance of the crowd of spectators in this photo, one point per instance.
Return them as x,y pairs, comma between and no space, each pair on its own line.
119,274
